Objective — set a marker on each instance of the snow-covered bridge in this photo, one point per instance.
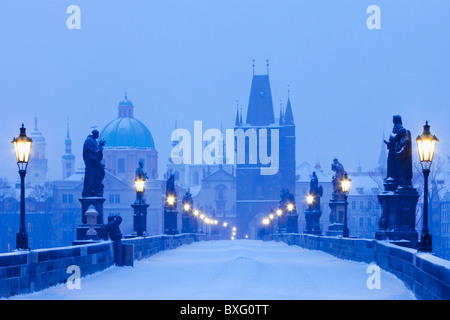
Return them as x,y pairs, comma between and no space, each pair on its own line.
239,269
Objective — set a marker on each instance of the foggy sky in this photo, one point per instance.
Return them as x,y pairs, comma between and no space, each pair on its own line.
192,60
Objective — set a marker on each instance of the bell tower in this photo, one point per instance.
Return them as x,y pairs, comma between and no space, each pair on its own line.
68,158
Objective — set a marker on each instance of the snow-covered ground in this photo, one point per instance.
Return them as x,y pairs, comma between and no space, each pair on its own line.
230,270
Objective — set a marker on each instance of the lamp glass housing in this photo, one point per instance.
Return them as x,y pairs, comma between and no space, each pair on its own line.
426,145
345,185
22,148
139,184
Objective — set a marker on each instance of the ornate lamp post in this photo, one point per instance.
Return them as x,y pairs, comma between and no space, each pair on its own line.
140,208
426,144
188,221
345,186
22,146
170,207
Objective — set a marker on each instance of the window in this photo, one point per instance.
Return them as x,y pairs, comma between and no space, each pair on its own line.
220,192
121,165
361,205
111,198
353,205
117,198
361,222
64,198
195,179
70,198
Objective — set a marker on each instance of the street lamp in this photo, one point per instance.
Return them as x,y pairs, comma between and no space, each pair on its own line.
345,186
138,208
22,147
426,144
290,207
170,200
309,199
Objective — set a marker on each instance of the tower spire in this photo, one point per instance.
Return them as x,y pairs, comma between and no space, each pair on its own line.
267,61
288,115
68,135
237,122
253,65
281,122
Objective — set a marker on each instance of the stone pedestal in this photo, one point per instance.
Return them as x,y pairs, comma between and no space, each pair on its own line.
336,227
140,219
170,222
312,218
99,226
292,223
282,223
399,215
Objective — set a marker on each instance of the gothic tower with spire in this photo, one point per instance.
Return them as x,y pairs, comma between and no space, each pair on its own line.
257,194
68,158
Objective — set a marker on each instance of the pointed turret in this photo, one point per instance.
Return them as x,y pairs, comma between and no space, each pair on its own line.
288,115
281,120
260,107
237,122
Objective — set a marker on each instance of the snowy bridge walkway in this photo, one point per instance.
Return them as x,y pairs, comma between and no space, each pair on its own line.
230,270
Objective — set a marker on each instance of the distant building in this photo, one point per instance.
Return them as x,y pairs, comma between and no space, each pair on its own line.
37,166
442,246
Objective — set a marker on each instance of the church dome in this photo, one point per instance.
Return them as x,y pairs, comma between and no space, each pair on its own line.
126,131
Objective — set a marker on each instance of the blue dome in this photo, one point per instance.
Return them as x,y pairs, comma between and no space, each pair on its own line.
127,132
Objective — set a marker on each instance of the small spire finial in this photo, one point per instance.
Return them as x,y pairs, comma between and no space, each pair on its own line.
68,136
289,91
253,66
267,61
126,95
35,123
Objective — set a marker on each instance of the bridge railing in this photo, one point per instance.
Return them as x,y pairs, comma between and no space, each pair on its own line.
24,272
424,274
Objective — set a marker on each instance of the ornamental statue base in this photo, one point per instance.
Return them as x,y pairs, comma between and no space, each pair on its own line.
292,223
312,218
336,227
84,230
170,222
399,215
140,219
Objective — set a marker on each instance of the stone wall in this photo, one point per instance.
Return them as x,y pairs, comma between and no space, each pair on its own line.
424,274
24,272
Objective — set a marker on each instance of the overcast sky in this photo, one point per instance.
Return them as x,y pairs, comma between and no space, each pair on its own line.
191,60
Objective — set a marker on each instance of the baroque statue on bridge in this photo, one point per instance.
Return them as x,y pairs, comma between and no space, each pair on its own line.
94,168
316,191
340,173
399,164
